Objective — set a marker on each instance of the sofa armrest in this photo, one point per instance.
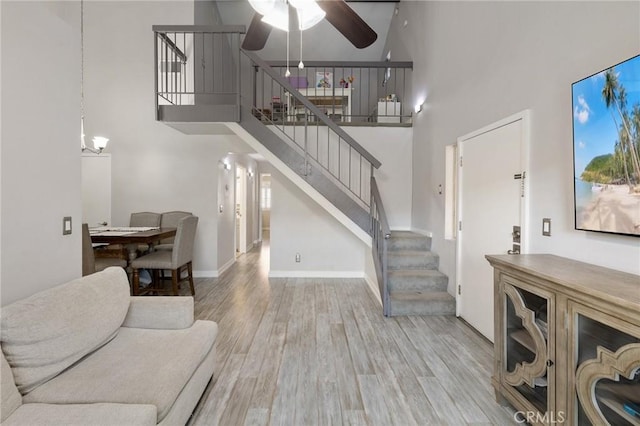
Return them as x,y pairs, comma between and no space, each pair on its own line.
160,312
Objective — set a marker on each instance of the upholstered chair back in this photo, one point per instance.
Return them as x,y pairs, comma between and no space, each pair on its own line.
170,220
88,257
183,243
145,219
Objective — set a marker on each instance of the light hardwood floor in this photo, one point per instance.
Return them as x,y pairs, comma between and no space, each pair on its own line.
318,352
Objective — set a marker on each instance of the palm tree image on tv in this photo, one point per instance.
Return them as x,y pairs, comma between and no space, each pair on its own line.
606,129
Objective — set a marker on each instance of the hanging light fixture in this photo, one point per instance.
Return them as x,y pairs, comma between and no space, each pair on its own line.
276,12
99,142
301,64
309,13
287,73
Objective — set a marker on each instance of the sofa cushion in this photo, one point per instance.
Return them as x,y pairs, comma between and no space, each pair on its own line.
139,366
11,398
45,333
83,415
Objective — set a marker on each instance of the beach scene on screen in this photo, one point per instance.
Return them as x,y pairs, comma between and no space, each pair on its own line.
606,137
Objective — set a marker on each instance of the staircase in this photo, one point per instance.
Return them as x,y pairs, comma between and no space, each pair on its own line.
312,151
415,285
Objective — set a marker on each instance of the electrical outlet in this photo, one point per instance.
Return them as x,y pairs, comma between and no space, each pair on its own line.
66,225
297,257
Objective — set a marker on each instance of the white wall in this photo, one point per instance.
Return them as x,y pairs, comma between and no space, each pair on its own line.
393,147
96,188
155,167
299,225
478,62
40,145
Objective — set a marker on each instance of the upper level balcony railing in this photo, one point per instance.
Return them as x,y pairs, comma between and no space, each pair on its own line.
200,65
197,64
349,92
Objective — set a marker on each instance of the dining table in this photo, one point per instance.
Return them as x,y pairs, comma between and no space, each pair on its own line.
130,238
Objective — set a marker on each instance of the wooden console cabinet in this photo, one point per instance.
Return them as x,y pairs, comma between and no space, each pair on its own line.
567,340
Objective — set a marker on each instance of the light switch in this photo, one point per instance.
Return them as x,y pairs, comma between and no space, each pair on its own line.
546,227
66,225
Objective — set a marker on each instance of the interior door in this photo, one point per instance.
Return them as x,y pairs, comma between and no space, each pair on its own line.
492,194
96,189
241,210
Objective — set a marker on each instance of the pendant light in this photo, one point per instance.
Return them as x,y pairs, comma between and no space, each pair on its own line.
301,64
287,72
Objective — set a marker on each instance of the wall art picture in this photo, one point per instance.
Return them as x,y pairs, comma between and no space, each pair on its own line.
606,146
324,80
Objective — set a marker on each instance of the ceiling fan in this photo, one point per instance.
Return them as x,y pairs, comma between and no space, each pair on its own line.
275,13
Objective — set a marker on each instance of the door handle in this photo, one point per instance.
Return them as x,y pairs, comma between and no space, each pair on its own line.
514,250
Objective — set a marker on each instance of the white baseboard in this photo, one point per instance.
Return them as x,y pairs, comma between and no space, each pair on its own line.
373,286
205,274
400,228
422,232
226,266
316,274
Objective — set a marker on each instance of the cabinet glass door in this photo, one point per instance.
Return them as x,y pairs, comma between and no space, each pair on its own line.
526,345
608,372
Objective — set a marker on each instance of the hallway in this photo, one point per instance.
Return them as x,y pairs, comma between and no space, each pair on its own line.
295,351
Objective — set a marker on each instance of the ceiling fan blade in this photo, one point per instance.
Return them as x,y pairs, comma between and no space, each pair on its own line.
257,34
349,23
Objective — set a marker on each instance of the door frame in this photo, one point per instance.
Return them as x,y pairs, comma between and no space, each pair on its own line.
525,229
90,190
240,198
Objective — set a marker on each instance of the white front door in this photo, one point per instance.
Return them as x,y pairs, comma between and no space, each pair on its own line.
492,200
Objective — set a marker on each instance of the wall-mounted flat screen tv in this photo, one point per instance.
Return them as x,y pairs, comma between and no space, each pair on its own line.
606,150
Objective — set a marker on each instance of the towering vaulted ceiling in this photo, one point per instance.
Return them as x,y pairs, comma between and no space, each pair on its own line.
322,42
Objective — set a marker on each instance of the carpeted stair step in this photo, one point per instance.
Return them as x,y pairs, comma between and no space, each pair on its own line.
418,303
417,280
405,240
411,259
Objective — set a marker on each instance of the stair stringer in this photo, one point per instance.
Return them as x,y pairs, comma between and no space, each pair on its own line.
280,155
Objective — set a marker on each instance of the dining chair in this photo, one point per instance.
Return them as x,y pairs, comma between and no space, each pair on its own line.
176,260
90,263
145,219
170,220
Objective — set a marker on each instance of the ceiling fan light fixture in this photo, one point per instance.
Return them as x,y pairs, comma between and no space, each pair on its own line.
309,13
278,17
263,7
309,18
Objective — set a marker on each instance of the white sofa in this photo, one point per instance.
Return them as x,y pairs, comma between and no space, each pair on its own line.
87,353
